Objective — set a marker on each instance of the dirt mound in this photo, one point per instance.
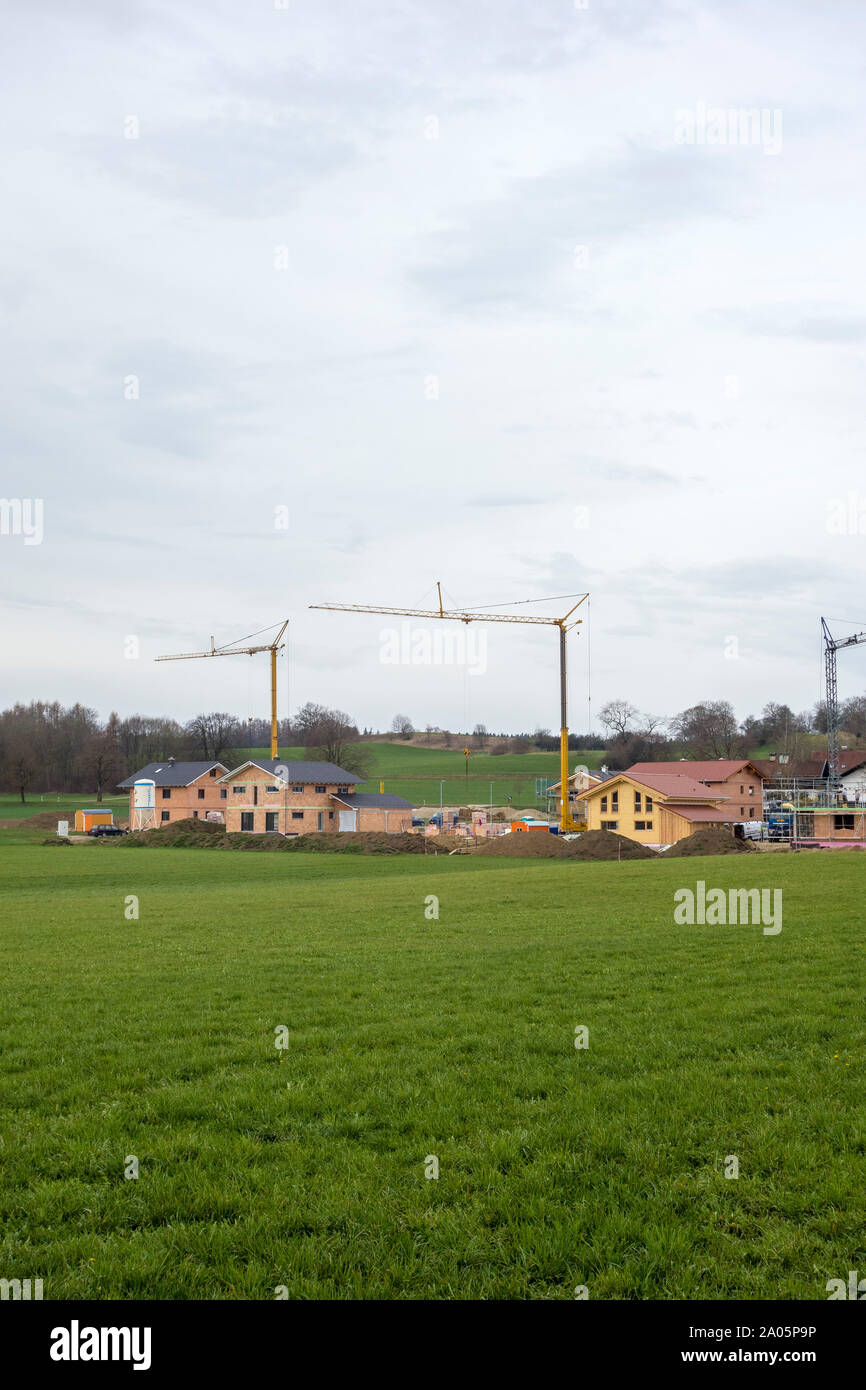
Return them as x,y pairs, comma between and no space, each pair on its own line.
606,844
345,842
178,834
199,834
530,844
709,840
57,840
540,844
45,820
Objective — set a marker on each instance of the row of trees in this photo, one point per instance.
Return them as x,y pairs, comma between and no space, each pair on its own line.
49,747
710,729
482,738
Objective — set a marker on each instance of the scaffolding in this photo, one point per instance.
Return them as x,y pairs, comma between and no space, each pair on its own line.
813,813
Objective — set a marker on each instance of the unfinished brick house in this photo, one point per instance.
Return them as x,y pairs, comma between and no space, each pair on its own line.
373,811
182,790
272,796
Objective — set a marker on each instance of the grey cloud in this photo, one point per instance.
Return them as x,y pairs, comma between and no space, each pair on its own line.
614,471
512,501
683,419
506,254
812,323
242,167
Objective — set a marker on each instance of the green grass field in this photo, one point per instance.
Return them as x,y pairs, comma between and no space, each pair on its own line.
411,1038
416,772
64,804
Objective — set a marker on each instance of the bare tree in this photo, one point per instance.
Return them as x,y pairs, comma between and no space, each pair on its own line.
19,759
708,729
331,734
308,718
100,760
852,717
401,724
213,734
618,717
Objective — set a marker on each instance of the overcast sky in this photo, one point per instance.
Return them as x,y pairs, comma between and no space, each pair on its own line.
325,301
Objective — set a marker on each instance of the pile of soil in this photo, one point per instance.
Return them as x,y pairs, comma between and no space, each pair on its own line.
530,844
179,834
44,820
606,844
709,840
57,840
540,844
345,842
201,834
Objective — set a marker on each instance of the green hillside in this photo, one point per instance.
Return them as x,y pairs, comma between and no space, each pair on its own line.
416,773
64,804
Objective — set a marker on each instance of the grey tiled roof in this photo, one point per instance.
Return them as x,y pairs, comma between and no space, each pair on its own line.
166,774
381,801
297,772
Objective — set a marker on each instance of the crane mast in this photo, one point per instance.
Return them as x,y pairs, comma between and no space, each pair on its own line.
231,649
831,646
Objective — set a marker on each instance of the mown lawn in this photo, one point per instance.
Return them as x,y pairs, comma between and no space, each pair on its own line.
411,1038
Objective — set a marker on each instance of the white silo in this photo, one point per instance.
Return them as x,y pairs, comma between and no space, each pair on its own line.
143,804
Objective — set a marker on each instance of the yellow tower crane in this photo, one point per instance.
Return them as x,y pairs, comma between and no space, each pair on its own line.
232,649
460,615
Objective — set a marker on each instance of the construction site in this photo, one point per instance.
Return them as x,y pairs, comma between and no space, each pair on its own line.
769,803
827,811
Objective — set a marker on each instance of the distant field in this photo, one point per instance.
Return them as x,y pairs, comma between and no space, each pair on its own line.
64,803
411,1040
416,772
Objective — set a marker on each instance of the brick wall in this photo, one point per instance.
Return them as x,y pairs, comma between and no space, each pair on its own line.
182,803
294,810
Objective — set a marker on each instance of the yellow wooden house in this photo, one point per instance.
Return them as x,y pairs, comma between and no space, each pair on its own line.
655,808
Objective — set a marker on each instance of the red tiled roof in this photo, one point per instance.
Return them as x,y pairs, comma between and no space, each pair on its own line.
672,784
711,770
848,757
772,770
813,767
